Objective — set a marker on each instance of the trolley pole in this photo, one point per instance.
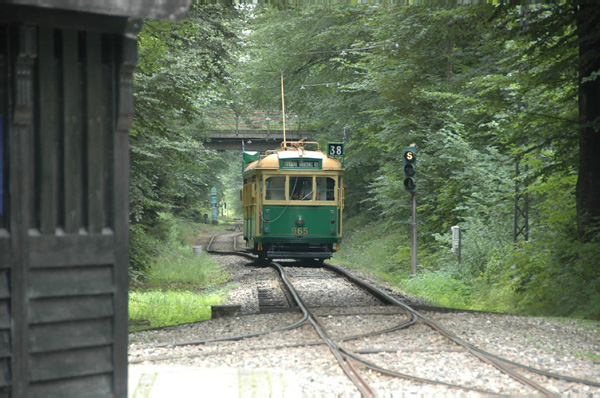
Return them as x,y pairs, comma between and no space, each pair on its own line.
413,240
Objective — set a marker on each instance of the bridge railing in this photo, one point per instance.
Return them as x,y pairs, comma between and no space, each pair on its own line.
257,120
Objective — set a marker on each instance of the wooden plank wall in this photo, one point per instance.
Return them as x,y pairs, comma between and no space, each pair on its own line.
65,110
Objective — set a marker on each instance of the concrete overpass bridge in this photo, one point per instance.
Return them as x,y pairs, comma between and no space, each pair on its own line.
258,130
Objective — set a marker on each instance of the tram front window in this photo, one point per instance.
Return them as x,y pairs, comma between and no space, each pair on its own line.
325,188
301,188
275,188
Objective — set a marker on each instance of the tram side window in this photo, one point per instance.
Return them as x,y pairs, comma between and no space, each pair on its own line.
325,188
301,188
275,188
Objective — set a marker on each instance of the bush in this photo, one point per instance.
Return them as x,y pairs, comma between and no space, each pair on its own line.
557,277
440,288
556,274
142,249
169,229
167,235
369,246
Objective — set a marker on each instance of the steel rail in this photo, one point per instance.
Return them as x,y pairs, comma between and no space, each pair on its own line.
544,372
228,253
480,354
413,318
294,325
212,238
350,355
349,370
401,326
339,353
494,360
290,327
237,337
394,373
497,358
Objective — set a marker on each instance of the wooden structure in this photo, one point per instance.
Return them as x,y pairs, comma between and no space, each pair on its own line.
66,105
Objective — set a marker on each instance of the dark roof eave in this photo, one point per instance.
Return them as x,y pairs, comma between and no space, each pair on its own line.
153,9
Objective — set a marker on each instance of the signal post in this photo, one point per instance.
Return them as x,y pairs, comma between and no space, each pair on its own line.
409,163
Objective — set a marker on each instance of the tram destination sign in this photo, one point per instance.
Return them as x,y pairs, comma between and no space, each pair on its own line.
300,163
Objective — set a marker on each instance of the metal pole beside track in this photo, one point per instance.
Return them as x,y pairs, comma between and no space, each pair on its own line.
413,240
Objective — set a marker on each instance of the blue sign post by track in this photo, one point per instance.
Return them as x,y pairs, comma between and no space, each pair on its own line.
213,205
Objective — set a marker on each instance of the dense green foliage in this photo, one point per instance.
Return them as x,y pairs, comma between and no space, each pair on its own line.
182,74
478,89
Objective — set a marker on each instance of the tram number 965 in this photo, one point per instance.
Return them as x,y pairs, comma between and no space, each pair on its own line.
300,231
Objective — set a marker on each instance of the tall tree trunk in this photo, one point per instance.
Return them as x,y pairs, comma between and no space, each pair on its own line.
450,60
588,182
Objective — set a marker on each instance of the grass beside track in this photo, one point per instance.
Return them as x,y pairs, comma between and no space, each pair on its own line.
384,253
179,287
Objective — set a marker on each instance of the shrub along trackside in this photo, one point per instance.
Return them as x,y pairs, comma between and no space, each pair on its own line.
175,285
553,276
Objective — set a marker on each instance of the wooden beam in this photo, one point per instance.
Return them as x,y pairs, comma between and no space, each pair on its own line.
72,132
157,9
95,136
126,55
47,176
21,199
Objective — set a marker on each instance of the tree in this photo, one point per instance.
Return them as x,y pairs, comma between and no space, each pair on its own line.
588,183
182,72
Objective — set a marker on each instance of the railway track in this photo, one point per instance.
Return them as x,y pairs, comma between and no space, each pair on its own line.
362,355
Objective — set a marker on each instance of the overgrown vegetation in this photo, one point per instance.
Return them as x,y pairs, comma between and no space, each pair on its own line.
546,277
176,285
151,309
181,76
479,89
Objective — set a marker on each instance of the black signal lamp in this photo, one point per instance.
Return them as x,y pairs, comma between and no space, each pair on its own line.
409,163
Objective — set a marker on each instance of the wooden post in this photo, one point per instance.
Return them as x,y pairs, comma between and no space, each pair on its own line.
22,201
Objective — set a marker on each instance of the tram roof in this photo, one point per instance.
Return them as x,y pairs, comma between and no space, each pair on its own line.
272,160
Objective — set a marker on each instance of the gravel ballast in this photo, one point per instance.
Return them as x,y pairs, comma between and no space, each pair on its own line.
558,345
